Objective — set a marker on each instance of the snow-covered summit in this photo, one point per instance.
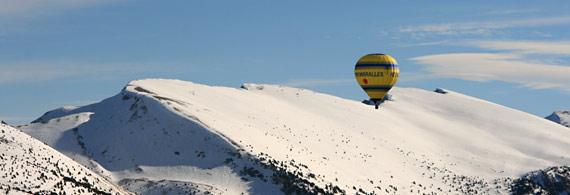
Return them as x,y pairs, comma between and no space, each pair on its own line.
55,113
560,116
264,139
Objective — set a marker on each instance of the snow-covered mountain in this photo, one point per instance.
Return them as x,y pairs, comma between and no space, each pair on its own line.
560,116
55,113
171,136
28,166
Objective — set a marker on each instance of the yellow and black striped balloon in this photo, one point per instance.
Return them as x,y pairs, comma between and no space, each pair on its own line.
376,74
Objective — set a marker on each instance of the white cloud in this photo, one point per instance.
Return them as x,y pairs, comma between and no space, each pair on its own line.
507,67
480,28
15,13
6,118
40,71
16,120
422,44
77,102
414,76
316,82
510,11
526,47
18,9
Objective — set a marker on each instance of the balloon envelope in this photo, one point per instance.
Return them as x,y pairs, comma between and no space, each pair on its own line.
376,74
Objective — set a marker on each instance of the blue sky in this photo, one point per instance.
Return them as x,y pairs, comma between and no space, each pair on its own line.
68,52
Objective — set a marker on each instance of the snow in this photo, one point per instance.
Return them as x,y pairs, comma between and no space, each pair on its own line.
56,113
232,140
560,116
29,166
553,180
218,176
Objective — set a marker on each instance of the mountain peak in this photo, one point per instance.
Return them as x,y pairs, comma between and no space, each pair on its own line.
560,116
55,113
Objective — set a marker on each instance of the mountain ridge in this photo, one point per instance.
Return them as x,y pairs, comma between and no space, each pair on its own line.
274,138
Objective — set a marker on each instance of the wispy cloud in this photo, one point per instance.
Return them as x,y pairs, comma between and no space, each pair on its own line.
30,8
507,67
414,76
526,47
316,82
422,44
77,102
510,11
480,28
16,120
33,71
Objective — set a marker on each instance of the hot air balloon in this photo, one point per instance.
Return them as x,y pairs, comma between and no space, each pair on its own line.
376,74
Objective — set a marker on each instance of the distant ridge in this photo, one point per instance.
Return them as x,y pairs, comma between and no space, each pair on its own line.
561,117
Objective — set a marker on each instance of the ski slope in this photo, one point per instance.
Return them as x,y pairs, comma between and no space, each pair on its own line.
267,139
